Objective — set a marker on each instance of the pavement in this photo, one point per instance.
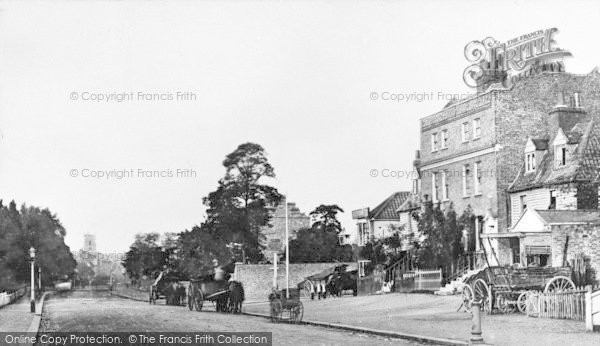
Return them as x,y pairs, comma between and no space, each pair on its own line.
436,316
100,312
17,317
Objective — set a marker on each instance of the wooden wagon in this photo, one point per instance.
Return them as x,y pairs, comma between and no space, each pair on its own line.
506,288
280,303
208,289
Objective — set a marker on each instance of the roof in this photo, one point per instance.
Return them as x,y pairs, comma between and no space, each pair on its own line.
540,144
583,166
388,209
411,203
569,216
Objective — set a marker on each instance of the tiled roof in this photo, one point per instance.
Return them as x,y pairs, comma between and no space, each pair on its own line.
582,166
569,216
387,210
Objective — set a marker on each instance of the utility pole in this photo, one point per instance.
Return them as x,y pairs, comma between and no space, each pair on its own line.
287,252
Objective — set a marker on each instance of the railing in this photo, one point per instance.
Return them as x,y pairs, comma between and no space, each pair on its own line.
421,280
592,312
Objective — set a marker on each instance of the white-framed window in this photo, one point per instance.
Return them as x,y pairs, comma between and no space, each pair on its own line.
466,132
476,128
444,186
434,187
444,139
477,177
562,160
530,162
434,141
523,202
361,267
466,172
363,233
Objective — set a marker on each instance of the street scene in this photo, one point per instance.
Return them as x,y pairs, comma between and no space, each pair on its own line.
313,173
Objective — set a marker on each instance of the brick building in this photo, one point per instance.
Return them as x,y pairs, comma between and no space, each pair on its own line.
472,150
275,232
555,193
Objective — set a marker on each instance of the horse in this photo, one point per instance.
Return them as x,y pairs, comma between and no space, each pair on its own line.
344,281
236,297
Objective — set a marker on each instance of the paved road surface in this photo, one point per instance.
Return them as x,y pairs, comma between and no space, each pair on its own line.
98,312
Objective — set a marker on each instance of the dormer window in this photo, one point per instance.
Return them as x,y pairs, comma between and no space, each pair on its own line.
529,162
560,149
563,156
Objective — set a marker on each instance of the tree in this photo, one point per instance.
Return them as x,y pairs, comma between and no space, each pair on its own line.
145,256
326,217
320,243
198,248
237,210
37,228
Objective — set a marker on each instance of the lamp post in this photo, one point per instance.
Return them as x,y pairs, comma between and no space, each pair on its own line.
32,255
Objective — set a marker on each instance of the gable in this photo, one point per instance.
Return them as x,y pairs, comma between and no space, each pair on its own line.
560,139
530,222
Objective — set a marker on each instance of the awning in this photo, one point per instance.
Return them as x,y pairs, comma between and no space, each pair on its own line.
503,235
538,250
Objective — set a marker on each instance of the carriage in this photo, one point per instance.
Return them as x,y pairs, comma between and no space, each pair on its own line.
507,289
333,281
168,286
208,289
279,303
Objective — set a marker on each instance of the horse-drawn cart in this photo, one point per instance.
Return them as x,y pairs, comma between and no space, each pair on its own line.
280,303
507,288
203,289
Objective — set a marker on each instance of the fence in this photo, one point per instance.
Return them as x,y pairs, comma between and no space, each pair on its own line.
592,313
420,280
10,296
564,305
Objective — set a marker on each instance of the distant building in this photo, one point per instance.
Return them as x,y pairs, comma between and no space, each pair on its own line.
89,243
275,233
379,222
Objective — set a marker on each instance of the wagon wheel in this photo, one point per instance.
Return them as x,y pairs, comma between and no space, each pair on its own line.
199,300
297,312
467,297
307,289
559,284
503,305
522,302
276,310
483,294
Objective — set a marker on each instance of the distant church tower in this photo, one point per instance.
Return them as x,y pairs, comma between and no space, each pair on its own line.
89,243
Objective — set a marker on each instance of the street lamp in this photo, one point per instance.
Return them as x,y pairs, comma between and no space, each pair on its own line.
32,255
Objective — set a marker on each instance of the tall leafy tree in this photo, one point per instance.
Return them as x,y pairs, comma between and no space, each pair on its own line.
326,217
237,210
145,257
199,247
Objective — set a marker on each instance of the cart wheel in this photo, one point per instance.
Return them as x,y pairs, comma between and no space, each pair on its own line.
467,297
199,300
522,302
276,310
559,284
298,313
483,293
503,305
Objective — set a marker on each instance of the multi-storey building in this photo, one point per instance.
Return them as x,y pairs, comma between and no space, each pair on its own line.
275,232
472,150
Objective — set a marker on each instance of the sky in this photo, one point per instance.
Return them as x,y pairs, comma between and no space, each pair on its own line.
310,81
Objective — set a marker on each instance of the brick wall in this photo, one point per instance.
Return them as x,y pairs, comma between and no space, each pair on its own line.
297,220
258,278
582,239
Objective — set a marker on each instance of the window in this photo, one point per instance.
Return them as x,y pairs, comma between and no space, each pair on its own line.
523,200
476,128
444,186
465,175
362,266
444,139
563,156
466,132
363,233
530,162
434,187
434,142
477,177
552,200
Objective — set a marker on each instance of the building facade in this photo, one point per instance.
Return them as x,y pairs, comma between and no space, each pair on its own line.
275,233
472,150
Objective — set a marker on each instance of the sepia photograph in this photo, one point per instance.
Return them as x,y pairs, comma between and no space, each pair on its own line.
299,172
